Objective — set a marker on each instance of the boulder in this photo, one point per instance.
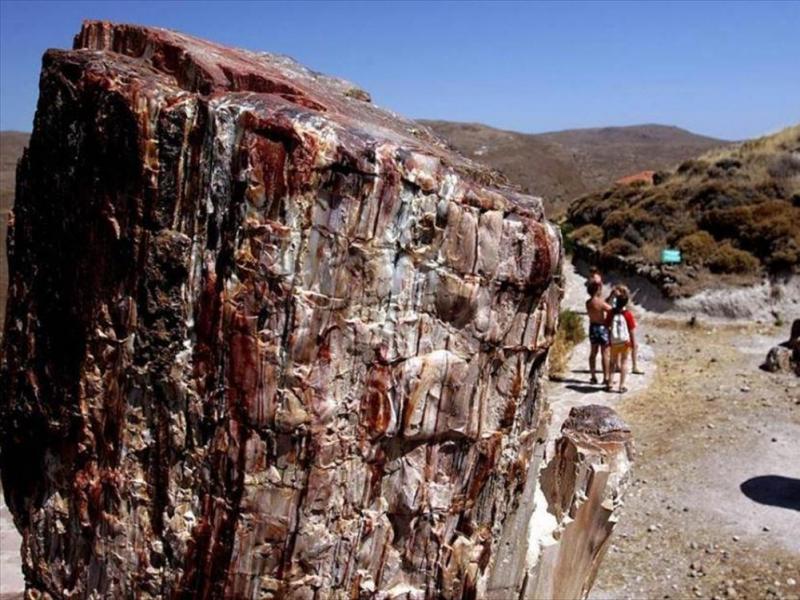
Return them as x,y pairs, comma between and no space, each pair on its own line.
781,359
786,356
265,339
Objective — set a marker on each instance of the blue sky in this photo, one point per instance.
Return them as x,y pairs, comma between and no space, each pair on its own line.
727,70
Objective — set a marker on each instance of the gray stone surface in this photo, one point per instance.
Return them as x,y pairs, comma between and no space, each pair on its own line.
12,583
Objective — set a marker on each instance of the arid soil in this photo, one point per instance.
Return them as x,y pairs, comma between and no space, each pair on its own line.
12,583
710,422
706,420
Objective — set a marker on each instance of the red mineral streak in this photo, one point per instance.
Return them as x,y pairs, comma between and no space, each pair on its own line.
267,340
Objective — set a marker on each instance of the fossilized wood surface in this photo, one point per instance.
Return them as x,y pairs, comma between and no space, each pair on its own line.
554,539
266,339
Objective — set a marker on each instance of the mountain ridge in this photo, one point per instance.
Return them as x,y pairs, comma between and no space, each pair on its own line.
563,165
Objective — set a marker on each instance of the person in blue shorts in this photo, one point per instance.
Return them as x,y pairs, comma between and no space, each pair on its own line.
598,309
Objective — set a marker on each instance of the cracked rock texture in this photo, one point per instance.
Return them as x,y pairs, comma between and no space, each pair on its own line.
265,339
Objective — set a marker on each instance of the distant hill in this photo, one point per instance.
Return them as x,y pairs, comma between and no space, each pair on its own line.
11,146
563,165
540,167
733,212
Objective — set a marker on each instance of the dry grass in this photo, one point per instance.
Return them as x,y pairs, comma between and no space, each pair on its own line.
588,234
768,144
569,334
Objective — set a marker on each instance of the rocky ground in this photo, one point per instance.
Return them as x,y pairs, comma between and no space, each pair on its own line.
710,424
11,582
713,510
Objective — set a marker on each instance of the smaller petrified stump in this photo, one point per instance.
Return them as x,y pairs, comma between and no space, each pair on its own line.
567,517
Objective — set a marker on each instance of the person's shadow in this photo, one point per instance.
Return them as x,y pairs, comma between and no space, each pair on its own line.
584,388
774,490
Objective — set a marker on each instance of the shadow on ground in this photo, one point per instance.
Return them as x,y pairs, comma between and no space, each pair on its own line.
584,389
774,490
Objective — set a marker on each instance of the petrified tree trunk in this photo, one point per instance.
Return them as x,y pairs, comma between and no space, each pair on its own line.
267,340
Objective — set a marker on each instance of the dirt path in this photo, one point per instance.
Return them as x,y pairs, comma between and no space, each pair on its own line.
12,583
713,510
714,507
574,389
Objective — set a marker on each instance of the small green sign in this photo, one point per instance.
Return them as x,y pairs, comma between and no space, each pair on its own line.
670,256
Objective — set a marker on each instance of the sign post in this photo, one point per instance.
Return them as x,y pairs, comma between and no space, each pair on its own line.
670,256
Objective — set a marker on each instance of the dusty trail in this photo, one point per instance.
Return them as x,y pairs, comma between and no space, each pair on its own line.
574,389
713,510
12,583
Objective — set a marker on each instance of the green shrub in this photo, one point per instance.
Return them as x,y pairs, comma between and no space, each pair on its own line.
697,247
661,204
570,332
618,247
763,228
728,163
680,228
660,177
725,222
591,208
639,183
571,324
588,234
693,167
785,254
567,237
727,259
719,195
618,222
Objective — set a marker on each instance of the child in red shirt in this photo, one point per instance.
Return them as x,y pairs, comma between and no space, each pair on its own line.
621,326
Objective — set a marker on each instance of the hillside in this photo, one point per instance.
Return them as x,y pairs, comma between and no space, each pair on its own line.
543,168
11,146
605,154
563,165
734,213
